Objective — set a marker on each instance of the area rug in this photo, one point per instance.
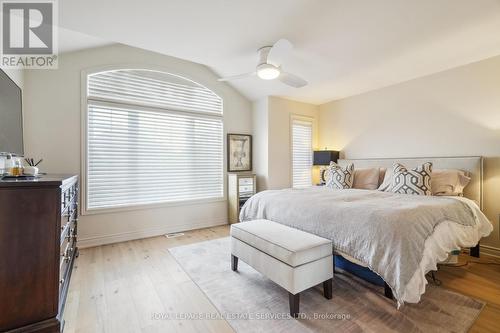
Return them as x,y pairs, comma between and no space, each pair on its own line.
252,303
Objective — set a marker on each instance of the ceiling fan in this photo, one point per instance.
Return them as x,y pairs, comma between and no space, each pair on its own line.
269,66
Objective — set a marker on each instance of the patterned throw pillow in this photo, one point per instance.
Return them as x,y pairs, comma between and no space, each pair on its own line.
414,181
338,177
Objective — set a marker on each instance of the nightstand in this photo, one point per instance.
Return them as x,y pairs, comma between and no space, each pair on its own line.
240,187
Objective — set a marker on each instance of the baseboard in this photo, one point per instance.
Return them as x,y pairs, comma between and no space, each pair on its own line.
145,233
490,251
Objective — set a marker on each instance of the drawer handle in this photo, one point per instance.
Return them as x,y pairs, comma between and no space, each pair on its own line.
65,255
71,234
61,281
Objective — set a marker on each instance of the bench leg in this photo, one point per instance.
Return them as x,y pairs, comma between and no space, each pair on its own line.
234,263
474,251
388,291
294,304
327,288
333,264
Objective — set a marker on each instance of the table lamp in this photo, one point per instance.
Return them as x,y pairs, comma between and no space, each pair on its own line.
323,159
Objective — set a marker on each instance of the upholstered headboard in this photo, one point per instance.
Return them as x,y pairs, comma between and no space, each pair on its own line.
472,164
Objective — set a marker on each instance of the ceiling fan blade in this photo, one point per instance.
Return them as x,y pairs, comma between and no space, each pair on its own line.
237,77
279,52
292,80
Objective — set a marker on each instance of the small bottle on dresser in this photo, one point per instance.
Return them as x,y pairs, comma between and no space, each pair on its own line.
9,164
17,168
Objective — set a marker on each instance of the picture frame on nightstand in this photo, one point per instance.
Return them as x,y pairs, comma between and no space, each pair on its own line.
239,152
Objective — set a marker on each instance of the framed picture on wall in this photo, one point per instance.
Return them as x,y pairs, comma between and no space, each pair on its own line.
239,152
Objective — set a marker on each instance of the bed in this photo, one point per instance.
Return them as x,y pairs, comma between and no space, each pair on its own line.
397,237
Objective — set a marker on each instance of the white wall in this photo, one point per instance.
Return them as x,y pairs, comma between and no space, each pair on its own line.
260,125
52,131
272,138
452,113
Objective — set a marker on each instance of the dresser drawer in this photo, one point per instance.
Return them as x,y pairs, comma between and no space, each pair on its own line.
246,189
71,214
69,196
245,181
69,231
66,255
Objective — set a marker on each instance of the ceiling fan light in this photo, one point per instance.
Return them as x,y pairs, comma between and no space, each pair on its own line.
268,72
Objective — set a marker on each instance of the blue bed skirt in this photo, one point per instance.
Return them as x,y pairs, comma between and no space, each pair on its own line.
360,271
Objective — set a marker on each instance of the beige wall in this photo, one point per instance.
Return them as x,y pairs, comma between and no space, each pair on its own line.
53,124
272,139
452,113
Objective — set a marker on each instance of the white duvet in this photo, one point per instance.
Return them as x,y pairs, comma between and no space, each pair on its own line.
399,237
446,237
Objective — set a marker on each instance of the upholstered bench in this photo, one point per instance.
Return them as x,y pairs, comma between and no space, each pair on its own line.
294,259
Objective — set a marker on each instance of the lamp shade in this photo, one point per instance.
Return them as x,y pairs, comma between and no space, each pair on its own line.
324,157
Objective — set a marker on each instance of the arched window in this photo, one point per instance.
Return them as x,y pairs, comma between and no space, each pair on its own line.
151,137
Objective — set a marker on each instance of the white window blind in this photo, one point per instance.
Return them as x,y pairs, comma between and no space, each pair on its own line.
152,138
301,153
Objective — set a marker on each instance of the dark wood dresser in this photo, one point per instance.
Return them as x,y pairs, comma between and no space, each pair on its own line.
38,228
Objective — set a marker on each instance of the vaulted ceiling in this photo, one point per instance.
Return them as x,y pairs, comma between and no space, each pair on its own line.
342,47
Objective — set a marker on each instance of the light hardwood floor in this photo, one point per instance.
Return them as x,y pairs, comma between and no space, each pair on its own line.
120,287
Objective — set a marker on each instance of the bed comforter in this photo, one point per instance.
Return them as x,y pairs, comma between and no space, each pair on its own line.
385,231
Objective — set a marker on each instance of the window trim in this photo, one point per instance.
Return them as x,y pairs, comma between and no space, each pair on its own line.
314,122
83,143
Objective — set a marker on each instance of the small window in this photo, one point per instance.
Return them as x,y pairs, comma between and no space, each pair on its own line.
151,137
302,136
